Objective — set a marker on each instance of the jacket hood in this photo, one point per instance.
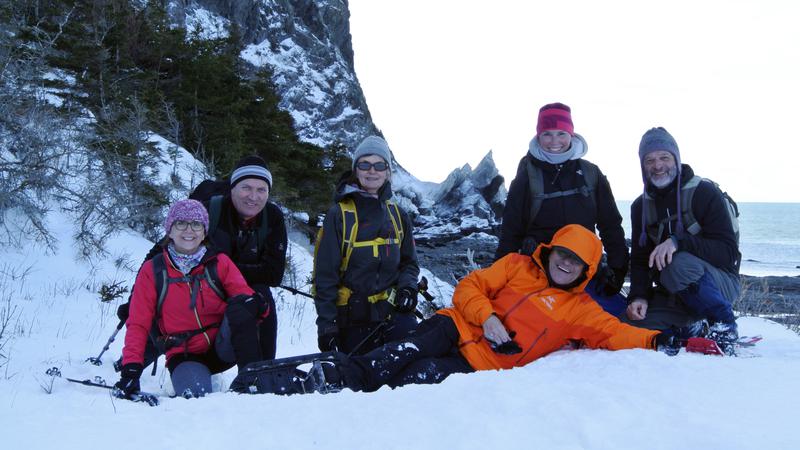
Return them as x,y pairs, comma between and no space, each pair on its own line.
347,187
578,149
580,241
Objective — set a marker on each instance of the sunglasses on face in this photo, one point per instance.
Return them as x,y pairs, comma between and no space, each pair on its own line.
379,166
181,225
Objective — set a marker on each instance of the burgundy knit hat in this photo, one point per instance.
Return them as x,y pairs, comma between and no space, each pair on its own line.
555,116
188,211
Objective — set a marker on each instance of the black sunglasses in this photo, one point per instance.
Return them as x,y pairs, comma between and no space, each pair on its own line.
379,166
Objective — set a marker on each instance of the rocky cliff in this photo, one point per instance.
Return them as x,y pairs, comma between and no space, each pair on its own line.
307,46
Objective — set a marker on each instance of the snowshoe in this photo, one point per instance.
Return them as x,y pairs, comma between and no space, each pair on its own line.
284,376
726,335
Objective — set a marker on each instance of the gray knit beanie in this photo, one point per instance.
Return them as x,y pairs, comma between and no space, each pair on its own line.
373,145
659,139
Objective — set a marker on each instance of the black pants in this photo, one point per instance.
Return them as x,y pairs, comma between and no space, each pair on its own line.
269,326
428,356
361,339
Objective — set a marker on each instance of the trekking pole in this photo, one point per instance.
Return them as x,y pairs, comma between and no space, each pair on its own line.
96,360
372,333
295,291
150,399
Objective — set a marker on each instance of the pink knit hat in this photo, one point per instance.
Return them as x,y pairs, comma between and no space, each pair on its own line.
188,211
555,116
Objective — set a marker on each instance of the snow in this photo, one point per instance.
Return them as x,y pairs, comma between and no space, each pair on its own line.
584,399
206,25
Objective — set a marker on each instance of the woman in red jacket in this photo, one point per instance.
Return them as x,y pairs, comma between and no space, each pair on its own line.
205,312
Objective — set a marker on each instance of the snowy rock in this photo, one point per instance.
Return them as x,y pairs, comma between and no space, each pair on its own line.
307,46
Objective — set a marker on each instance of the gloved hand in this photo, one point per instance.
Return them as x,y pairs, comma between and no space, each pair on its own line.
667,342
528,246
328,338
128,383
243,308
609,281
406,300
123,310
671,340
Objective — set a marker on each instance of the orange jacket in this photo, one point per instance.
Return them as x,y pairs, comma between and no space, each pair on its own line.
516,289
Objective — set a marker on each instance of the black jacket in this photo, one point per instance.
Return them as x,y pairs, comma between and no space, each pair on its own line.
366,274
716,243
240,243
557,212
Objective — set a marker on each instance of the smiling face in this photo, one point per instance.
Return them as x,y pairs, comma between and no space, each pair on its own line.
564,267
659,168
554,141
186,241
249,197
371,180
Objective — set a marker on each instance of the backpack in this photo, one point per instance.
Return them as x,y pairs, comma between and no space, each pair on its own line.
162,280
591,176
212,193
349,242
689,221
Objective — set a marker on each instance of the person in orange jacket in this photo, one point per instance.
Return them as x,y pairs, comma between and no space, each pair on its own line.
521,308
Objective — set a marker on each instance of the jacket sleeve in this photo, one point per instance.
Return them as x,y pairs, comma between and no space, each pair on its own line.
641,283
274,252
515,214
232,280
473,294
716,242
140,318
601,330
327,259
409,267
609,225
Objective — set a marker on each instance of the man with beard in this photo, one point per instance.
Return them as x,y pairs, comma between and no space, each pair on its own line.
685,256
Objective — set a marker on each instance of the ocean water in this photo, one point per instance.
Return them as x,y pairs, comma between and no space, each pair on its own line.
769,237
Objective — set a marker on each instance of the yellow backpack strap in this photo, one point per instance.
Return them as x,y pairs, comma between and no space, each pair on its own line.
349,230
397,222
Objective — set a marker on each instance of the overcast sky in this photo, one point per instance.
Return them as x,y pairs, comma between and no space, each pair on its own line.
448,80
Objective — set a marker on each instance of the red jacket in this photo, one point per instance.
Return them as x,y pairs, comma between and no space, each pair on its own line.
516,289
176,314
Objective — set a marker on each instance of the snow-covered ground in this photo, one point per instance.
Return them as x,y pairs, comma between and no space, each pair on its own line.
569,400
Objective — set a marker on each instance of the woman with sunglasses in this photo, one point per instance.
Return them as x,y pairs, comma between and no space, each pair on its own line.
365,263
206,319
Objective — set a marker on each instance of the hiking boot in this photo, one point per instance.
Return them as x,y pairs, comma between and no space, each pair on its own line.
726,335
696,329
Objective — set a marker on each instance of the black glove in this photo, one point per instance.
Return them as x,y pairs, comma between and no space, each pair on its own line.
528,246
406,300
609,281
243,308
667,342
128,384
328,338
671,340
506,348
124,310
